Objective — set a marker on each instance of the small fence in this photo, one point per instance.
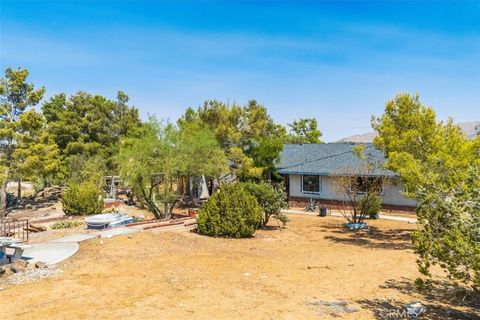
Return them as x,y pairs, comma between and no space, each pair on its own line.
17,229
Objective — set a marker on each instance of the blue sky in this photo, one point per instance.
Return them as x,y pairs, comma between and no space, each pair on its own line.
338,61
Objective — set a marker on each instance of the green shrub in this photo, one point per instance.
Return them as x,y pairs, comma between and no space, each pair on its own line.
65,224
82,199
369,205
271,199
231,212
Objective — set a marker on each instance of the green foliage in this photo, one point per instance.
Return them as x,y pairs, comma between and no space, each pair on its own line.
151,161
369,205
82,199
271,199
360,194
36,155
86,125
440,168
304,131
83,168
16,97
199,152
231,212
419,148
247,134
66,224
449,232
148,163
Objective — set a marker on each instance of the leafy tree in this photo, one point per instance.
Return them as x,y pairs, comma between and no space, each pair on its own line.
439,167
419,148
449,232
36,156
199,152
16,97
231,212
304,131
271,199
148,163
247,134
90,125
84,168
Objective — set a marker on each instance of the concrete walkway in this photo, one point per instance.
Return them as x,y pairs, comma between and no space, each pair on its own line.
50,253
58,250
338,214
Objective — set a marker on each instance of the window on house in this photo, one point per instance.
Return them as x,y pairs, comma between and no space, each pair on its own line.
311,183
368,184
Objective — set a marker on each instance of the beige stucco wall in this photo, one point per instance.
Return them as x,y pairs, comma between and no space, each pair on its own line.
392,193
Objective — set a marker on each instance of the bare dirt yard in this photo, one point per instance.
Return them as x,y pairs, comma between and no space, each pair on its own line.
314,269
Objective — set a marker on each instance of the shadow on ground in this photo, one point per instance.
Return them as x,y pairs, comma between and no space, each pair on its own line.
397,239
442,300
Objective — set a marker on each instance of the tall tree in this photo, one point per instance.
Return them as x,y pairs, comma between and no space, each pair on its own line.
85,125
440,168
304,131
148,163
36,156
199,152
16,97
248,135
418,147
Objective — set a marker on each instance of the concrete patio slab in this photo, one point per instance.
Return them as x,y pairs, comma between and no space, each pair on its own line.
75,238
118,231
50,253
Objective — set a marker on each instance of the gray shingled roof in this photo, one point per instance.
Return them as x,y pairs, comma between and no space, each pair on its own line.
331,159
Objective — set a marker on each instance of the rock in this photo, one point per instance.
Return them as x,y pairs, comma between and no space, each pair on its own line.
40,265
18,266
4,270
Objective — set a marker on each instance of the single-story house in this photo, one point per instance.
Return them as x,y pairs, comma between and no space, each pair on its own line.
310,172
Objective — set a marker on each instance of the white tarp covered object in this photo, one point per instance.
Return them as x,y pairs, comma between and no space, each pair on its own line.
203,189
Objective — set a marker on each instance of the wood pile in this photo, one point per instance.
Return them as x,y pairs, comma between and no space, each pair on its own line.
49,194
35,228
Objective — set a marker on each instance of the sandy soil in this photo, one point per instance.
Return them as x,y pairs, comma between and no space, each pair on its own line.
296,273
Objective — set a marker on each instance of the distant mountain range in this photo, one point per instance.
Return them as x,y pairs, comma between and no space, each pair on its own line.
468,129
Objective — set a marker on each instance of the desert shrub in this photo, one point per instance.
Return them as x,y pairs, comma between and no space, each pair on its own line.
231,212
271,199
65,224
82,199
369,205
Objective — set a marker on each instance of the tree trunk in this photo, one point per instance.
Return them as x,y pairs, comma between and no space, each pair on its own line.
3,199
19,188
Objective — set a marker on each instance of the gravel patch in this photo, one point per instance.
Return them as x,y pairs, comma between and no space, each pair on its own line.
33,275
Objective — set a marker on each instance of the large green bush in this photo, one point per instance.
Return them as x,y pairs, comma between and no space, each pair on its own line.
82,199
231,212
271,199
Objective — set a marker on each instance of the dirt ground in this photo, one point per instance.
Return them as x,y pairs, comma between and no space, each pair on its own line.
314,269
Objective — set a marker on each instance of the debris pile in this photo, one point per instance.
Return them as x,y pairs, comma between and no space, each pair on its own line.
35,228
49,194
